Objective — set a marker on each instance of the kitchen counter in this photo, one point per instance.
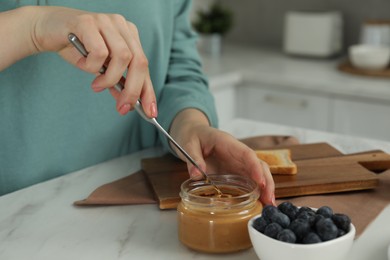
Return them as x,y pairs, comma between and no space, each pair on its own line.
272,67
40,222
267,85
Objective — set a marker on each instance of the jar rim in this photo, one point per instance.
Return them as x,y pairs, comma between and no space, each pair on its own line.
248,186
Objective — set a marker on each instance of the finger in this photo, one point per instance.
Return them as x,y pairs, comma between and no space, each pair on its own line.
120,57
115,93
72,55
197,156
147,95
126,108
97,89
137,70
148,98
135,81
261,174
96,48
268,192
194,172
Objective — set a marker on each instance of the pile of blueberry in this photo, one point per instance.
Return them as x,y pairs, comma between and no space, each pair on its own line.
303,225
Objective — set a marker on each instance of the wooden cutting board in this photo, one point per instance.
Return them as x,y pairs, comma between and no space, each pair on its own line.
321,169
347,67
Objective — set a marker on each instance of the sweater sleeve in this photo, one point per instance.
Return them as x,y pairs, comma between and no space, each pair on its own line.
185,86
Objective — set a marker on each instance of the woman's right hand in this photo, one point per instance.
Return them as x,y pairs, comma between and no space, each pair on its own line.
110,40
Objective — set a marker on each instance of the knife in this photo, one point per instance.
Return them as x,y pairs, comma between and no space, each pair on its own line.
138,107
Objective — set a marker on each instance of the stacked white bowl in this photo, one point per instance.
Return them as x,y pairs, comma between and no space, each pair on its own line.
369,57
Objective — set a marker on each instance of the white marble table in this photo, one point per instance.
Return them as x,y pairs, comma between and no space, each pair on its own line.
40,222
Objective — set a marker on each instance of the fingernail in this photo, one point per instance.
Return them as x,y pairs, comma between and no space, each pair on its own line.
95,85
153,109
97,89
124,109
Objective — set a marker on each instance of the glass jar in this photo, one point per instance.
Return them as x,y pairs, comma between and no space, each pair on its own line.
212,223
375,32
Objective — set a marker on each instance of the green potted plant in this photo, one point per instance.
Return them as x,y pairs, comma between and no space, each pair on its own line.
212,24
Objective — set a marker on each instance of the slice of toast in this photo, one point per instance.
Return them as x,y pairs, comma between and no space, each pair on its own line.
278,160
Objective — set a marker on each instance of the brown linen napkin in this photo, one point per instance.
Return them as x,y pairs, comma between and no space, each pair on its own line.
361,206
135,188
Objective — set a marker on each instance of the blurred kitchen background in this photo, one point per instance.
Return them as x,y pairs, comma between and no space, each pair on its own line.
261,22
308,63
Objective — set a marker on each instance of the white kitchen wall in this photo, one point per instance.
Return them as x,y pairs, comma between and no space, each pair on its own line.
261,22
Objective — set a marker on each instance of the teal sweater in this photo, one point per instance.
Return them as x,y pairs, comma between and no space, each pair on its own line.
52,123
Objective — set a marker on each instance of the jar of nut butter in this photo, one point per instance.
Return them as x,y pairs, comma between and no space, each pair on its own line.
213,222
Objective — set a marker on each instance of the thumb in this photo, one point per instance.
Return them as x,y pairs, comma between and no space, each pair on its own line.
194,172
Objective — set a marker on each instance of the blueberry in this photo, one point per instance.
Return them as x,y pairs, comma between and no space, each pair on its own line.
325,211
342,221
300,227
291,224
311,238
307,215
281,219
259,224
307,209
272,230
326,229
268,211
288,209
340,232
285,206
317,218
286,235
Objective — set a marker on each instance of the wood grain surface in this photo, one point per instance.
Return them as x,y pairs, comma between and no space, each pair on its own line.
321,169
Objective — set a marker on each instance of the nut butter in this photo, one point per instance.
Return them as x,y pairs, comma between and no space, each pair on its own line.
214,223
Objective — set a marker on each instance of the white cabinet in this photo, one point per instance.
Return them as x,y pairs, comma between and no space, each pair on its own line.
224,89
225,102
283,106
366,118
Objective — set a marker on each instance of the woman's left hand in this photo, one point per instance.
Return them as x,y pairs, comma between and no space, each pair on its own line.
217,152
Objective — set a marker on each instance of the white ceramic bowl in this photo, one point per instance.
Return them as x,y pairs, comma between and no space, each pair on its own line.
268,248
369,57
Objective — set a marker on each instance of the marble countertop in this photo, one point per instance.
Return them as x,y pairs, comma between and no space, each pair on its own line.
269,67
40,222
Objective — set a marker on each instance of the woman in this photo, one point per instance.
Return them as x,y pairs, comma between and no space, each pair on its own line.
52,124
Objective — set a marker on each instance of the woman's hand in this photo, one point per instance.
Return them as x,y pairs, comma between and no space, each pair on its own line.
109,39
218,152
